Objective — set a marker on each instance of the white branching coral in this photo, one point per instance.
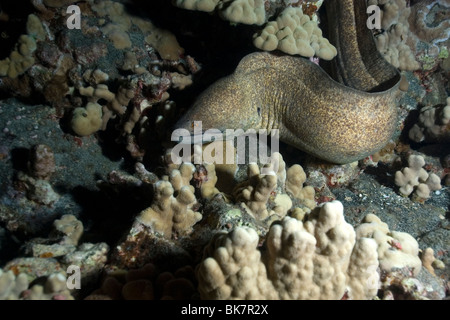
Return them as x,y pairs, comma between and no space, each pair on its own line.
171,210
11,286
433,124
14,287
243,11
237,11
93,117
208,188
415,179
181,177
232,268
295,33
70,228
22,57
395,249
314,259
87,120
168,213
392,46
263,194
199,5
256,191
392,43
296,178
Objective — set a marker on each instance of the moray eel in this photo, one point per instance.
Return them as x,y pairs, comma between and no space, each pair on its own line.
341,116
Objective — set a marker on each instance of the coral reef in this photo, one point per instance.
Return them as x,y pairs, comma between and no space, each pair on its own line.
406,27
53,257
264,195
237,11
432,125
301,261
21,58
395,249
14,287
392,43
256,192
70,69
415,179
88,120
168,213
419,21
295,33
295,30
94,205
429,261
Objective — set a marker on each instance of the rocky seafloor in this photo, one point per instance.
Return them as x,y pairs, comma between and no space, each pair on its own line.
91,194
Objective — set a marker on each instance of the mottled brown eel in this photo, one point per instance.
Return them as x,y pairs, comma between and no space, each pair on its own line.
340,120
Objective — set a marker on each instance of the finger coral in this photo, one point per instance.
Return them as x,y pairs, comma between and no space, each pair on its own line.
294,32
395,249
257,191
415,179
237,11
303,260
433,124
296,178
170,213
200,5
392,43
14,287
87,120
21,58
244,11
263,194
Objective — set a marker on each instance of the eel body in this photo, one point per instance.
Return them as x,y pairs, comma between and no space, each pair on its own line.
339,118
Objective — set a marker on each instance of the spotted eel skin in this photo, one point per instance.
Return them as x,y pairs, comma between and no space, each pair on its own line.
341,116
